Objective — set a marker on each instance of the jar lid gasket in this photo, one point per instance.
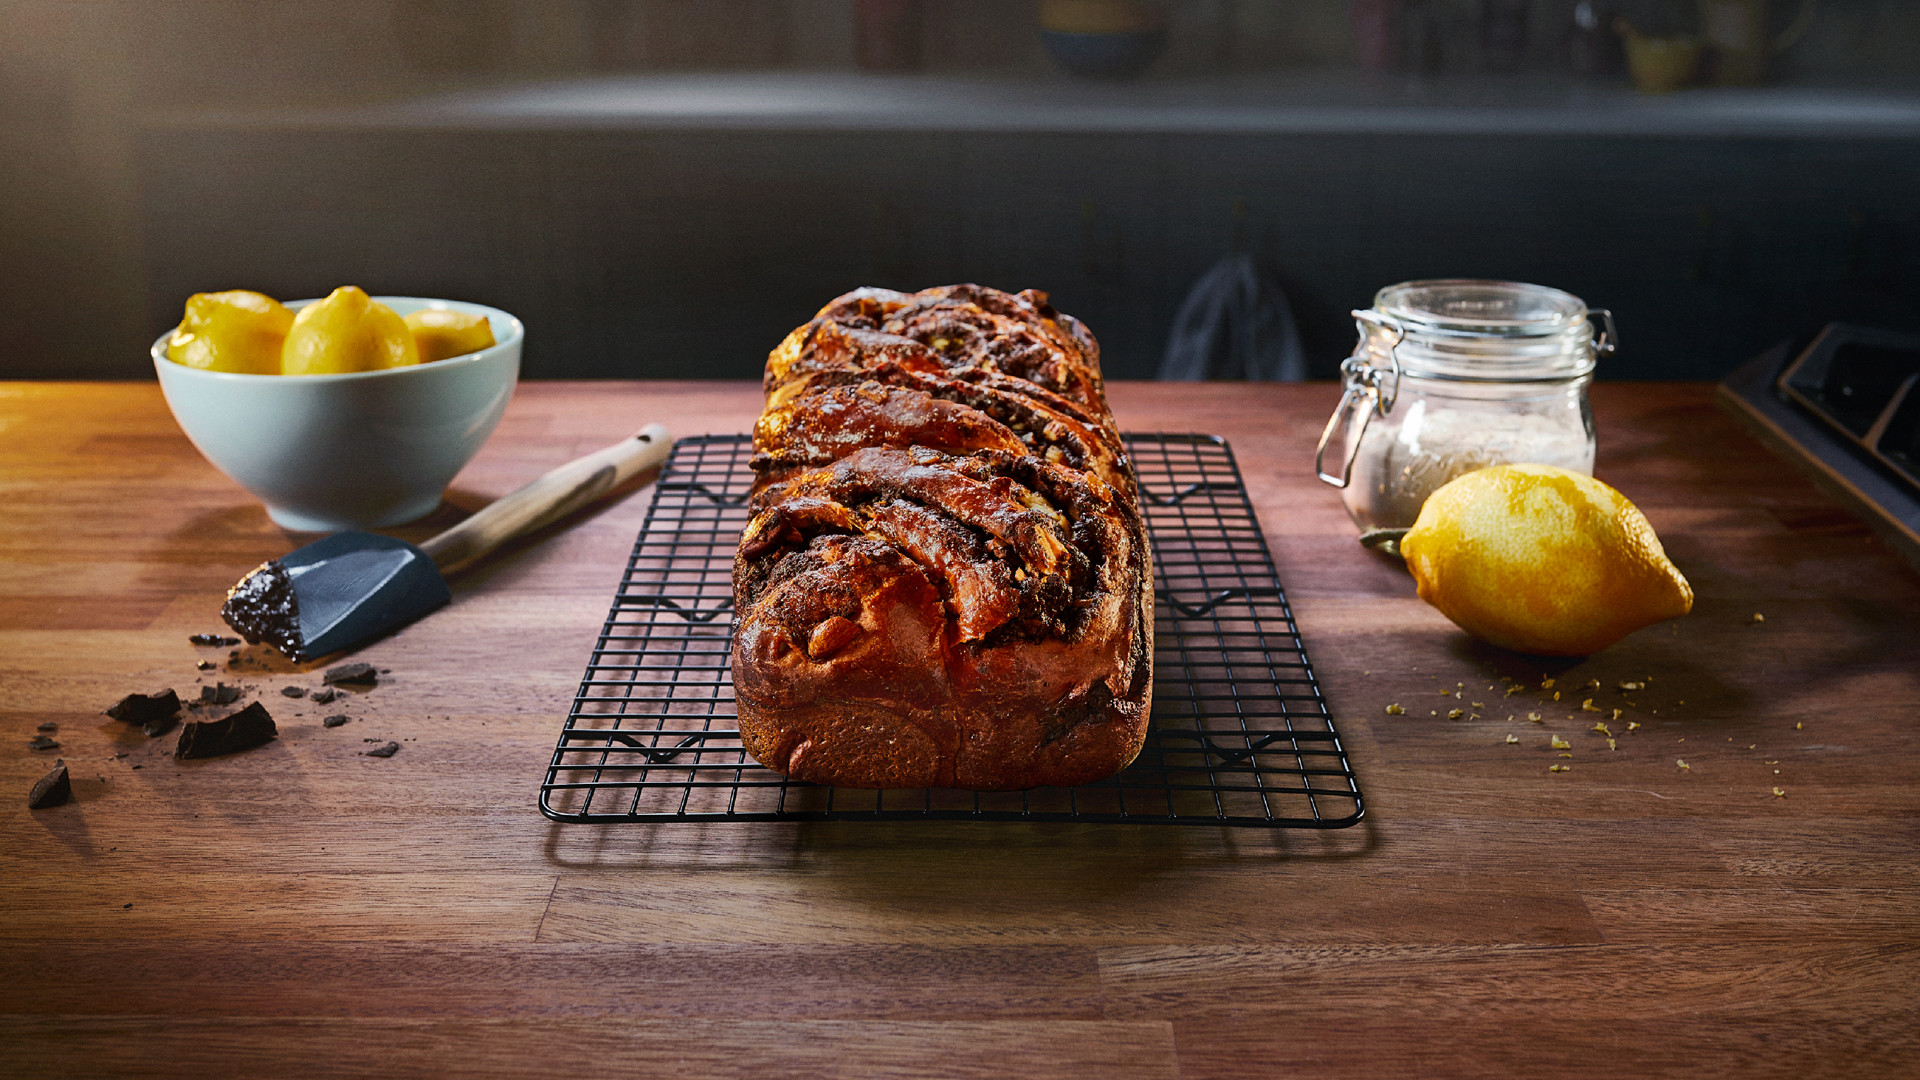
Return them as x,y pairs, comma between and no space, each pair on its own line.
1481,331
1457,306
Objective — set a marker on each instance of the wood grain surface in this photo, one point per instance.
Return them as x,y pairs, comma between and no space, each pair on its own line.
305,910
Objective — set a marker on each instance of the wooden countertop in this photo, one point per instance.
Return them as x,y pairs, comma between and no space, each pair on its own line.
302,910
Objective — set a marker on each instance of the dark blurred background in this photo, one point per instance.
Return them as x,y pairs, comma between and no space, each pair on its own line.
662,188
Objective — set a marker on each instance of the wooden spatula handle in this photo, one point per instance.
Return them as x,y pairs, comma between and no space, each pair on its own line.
546,500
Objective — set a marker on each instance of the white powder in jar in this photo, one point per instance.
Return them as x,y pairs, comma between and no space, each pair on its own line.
1415,450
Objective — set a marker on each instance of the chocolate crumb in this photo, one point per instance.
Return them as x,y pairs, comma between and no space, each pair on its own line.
220,694
214,640
48,726
41,742
336,720
293,691
206,665
358,674
324,695
52,789
244,730
143,709
384,750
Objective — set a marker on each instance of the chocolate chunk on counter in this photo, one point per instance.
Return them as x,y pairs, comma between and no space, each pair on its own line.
336,720
323,696
244,730
206,665
220,694
357,674
384,750
52,789
293,691
41,742
48,728
143,709
157,728
216,640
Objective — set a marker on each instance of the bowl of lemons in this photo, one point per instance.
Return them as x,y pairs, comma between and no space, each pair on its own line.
349,412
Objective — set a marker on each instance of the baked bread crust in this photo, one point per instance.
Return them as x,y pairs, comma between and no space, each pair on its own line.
945,581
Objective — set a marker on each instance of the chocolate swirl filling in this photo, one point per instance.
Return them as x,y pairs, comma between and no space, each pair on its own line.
965,429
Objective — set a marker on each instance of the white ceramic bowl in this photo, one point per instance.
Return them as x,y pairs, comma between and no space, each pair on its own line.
358,451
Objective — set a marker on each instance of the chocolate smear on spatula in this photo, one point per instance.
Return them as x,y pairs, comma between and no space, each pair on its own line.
262,608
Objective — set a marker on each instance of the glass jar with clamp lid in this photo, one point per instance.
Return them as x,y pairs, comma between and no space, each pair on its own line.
1455,375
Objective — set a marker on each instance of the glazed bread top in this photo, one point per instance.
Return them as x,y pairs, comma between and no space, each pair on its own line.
958,435
962,368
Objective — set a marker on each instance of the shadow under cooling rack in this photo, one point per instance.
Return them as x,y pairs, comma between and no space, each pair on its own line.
1240,733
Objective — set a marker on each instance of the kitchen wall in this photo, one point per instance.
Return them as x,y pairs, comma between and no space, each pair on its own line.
686,252
80,80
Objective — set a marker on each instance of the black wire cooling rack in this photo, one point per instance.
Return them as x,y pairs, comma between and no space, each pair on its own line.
1240,733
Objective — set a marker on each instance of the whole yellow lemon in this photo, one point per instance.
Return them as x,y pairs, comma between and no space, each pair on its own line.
348,331
237,331
443,334
1541,560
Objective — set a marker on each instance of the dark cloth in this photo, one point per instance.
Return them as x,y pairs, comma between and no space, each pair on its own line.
1235,324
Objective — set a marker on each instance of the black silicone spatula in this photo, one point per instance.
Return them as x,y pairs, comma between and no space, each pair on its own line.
352,587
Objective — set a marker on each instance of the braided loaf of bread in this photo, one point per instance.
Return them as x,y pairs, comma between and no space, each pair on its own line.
945,581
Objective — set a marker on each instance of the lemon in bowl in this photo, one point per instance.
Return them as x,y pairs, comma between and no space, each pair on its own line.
368,441
348,331
238,331
440,333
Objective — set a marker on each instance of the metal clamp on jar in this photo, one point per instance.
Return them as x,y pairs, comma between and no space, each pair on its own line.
1455,375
